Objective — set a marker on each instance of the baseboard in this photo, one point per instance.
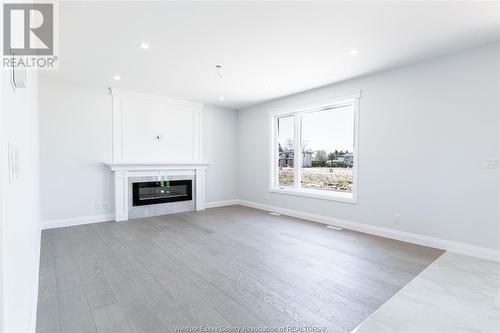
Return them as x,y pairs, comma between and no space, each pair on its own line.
439,243
68,222
222,203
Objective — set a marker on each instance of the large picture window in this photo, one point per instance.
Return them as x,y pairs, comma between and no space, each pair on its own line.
314,150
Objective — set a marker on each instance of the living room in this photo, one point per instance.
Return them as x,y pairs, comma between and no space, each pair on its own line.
250,166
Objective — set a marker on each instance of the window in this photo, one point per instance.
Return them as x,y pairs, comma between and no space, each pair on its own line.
286,148
314,150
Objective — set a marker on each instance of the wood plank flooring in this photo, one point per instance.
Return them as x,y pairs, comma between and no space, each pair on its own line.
230,267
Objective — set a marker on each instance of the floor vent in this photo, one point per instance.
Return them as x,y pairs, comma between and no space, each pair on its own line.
275,214
334,227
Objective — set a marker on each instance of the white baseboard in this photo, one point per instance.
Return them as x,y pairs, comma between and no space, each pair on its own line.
439,243
72,221
443,244
59,223
222,203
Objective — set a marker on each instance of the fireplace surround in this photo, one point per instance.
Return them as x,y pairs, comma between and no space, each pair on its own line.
127,173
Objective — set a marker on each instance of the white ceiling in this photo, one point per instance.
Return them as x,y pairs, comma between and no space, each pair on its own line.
267,49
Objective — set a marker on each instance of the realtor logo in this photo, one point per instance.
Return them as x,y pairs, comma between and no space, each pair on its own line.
28,29
28,35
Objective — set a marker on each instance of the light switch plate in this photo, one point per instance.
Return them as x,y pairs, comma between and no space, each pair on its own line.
14,167
10,161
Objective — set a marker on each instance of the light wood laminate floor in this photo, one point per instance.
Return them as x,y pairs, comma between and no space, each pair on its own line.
223,267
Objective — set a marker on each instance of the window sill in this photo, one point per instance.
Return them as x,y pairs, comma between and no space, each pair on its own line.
317,194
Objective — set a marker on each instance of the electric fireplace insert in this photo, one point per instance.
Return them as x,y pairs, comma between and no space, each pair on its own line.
150,193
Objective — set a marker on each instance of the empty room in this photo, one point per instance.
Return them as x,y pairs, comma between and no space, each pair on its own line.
250,167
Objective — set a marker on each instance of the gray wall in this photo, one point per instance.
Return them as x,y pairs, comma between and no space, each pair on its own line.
425,131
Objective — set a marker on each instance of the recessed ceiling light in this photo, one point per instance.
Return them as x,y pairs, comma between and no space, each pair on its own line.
144,45
221,98
353,52
117,77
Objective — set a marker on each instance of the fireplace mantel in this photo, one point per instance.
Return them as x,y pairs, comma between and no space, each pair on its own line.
125,170
138,166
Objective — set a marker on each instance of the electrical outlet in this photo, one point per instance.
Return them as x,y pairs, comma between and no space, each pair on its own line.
396,218
101,205
492,164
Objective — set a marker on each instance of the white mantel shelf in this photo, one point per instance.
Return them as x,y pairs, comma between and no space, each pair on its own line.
125,170
138,166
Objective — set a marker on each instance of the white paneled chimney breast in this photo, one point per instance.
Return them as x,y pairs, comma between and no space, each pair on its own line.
149,130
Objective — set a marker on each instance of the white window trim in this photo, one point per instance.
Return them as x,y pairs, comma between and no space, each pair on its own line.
297,111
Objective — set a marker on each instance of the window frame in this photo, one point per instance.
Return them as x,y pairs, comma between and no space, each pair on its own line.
297,112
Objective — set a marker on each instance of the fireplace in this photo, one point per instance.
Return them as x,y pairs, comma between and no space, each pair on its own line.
150,193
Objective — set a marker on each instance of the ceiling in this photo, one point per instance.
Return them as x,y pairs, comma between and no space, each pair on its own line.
267,49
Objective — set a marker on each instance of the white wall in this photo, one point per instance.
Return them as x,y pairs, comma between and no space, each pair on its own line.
76,139
3,173
20,205
425,131
219,141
